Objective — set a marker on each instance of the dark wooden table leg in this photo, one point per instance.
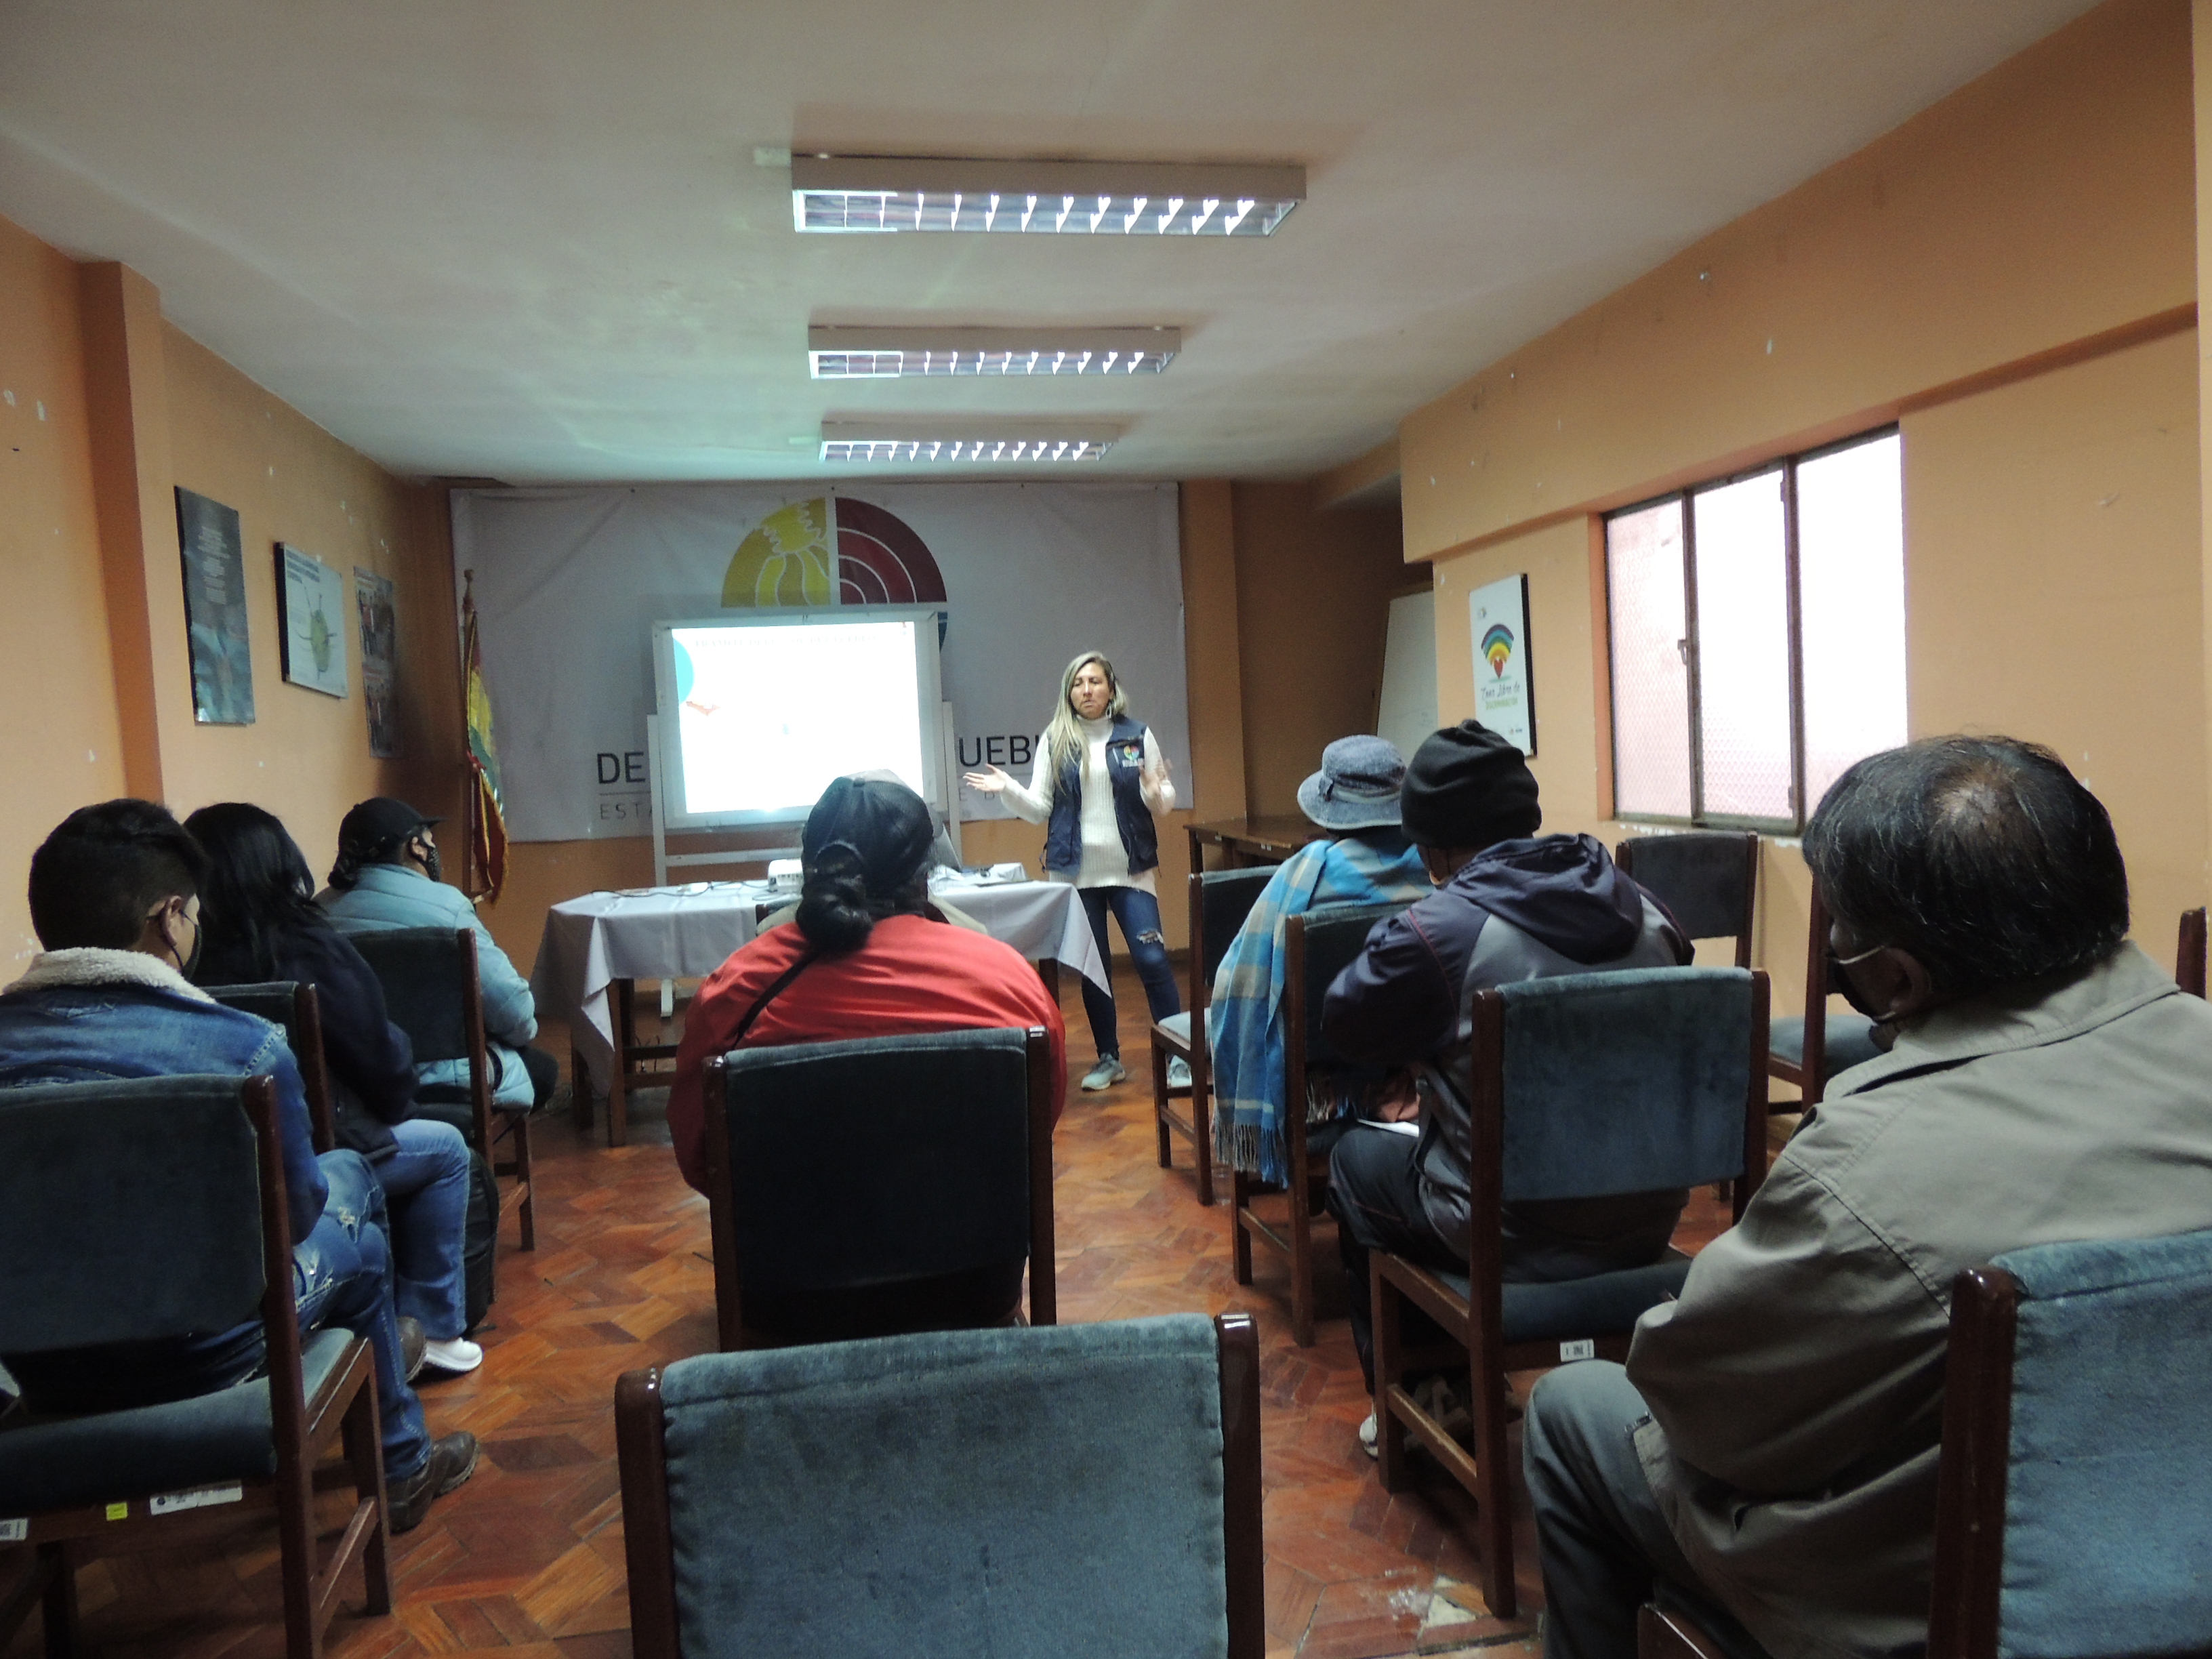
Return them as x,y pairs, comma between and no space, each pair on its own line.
580,1088
625,991
1049,971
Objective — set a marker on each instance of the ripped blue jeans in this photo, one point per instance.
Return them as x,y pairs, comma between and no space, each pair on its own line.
1138,912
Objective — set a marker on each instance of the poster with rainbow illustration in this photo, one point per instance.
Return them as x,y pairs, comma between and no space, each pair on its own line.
1505,691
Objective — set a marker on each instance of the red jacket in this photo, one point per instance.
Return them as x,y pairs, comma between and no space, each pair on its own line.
913,976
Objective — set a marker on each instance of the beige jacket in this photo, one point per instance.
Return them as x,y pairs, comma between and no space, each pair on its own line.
1796,1387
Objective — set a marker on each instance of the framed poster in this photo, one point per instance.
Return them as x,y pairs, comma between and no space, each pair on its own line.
1504,688
214,611
379,652
311,621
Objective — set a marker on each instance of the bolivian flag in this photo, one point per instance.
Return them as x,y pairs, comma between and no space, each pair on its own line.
487,817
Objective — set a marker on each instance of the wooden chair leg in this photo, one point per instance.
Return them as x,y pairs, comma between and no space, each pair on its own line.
580,1089
1302,1278
1496,1499
364,1452
1160,1102
296,1558
528,1208
1240,1242
58,1608
1389,1432
1201,1126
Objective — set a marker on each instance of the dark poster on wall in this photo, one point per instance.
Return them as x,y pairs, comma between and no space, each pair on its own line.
380,656
214,611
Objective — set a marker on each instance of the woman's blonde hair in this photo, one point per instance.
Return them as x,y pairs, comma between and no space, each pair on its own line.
1063,738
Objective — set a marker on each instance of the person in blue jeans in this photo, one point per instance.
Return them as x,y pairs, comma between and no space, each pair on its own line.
115,900
1099,779
262,923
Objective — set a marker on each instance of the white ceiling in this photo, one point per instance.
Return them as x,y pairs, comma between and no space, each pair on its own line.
528,239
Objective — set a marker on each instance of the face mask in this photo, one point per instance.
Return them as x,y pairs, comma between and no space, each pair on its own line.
189,967
1840,981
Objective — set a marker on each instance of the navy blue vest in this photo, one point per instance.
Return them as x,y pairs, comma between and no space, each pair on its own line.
1124,763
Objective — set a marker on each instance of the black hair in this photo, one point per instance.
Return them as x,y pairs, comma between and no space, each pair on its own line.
105,869
258,887
1983,857
866,855
354,857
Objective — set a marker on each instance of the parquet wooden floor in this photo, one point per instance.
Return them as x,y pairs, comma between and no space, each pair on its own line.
527,1558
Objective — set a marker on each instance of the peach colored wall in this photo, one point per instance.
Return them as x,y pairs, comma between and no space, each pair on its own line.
2051,199
56,678
2053,576
306,756
1313,599
102,408
2052,505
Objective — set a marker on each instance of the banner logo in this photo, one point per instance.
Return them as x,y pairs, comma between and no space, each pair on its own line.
788,559
1497,645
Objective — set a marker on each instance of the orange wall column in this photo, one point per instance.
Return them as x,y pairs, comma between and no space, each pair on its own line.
1214,670
2202,51
126,400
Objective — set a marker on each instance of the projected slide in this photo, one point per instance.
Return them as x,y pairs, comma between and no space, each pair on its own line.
767,716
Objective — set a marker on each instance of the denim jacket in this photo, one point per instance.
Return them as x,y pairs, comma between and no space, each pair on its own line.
87,1016
392,896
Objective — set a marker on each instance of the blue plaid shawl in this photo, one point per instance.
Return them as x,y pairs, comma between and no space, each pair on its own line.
1244,1026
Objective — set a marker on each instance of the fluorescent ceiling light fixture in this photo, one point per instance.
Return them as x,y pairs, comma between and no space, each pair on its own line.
884,354
839,193
998,441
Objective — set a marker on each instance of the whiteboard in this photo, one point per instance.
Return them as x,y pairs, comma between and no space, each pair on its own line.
1406,713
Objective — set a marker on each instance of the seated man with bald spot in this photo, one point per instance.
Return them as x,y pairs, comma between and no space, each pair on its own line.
1770,1449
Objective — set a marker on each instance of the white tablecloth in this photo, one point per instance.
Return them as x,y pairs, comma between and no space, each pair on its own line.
686,933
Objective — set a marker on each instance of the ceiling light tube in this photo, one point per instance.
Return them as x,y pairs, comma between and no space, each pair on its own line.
837,353
907,440
846,193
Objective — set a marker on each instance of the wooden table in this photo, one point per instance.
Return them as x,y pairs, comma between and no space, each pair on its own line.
1248,841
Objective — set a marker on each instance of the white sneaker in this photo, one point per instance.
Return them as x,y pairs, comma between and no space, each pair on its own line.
1178,1072
1368,1434
1105,1075
454,1355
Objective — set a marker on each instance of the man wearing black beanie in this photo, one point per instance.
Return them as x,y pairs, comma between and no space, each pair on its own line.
1510,905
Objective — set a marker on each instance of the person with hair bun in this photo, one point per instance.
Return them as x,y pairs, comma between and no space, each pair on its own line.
1099,781
866,955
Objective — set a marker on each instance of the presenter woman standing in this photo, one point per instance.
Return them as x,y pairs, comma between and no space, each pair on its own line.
1100,777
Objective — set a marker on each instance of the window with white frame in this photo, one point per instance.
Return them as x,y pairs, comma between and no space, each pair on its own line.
1758,637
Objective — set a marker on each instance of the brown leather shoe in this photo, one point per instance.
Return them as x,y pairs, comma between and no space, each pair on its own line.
453,1460
413,1340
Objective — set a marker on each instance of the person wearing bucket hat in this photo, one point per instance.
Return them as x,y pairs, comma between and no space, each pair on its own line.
1510,905
1355,795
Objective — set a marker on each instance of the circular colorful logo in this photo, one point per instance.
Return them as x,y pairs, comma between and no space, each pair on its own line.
788,559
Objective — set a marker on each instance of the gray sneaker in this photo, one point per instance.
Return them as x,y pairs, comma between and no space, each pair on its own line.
1178,1072
1105,1075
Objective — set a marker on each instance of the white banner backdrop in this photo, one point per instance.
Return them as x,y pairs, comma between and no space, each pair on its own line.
568,580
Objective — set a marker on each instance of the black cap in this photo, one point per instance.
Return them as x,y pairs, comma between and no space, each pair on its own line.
379,821
886,824
1468,787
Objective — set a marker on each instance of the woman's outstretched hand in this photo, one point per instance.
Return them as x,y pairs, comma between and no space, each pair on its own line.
988,782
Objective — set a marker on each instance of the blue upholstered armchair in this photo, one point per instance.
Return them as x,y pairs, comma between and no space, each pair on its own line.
1219,902
2073,1504
1317,946
134,1211
1585,1086
1087,1490
885,1185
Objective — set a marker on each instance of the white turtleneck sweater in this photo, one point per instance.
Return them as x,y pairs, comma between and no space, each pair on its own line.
1105,863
